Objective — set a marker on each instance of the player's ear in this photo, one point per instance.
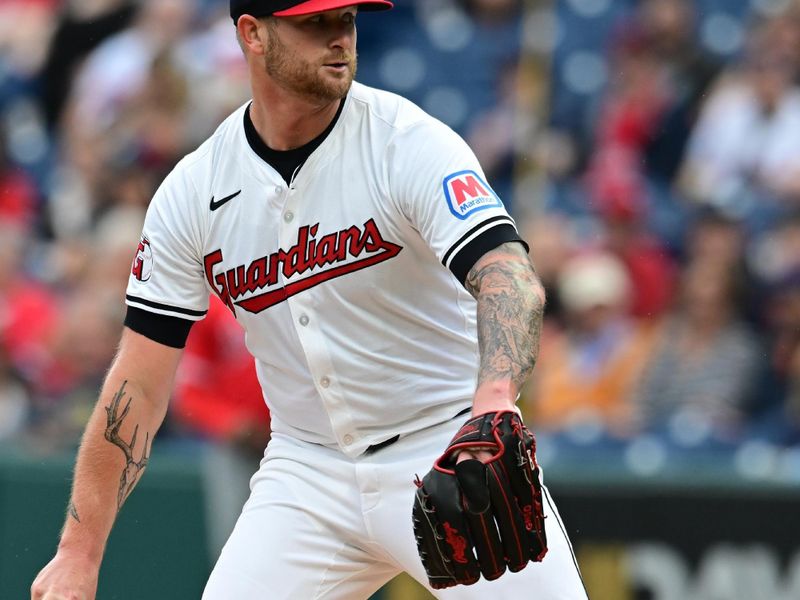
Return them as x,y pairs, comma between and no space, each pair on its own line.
251,34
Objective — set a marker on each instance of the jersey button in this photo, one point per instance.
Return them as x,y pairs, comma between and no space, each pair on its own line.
278,189
325,382
288,216
303,320
348,439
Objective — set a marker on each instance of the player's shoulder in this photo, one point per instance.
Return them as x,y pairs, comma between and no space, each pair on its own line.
218,148
197,168
396,112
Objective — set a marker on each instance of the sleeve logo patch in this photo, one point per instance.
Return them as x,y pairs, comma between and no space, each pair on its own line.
467,193
142,267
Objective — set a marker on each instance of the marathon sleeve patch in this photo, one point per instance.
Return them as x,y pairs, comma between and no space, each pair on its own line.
170,331
444,194
479,240
467,193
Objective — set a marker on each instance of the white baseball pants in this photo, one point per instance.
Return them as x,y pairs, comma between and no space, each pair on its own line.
320,525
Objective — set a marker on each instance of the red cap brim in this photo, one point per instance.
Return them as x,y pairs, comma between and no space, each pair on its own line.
315,6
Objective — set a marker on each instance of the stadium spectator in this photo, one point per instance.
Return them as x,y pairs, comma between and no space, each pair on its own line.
18,195
630,115
496,134
776,412
646,114
706,359
670,27
28,309
621,207
587,372
24,24
553,239
118,68
785,358
719,239
81,26
78,356
744,154
715,237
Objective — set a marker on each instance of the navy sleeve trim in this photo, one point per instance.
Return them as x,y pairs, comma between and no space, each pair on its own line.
170,331
488,239
175,309
474,232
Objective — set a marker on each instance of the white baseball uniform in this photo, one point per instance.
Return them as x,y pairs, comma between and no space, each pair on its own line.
348,283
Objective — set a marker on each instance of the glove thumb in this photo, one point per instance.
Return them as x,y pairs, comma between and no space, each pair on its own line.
472,479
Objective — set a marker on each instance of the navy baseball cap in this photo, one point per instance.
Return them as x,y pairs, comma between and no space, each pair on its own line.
289,8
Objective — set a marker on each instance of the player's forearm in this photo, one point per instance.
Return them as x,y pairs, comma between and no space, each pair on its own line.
111,460
510,310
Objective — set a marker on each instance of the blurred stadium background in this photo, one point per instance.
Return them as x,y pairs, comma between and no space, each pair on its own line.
650,151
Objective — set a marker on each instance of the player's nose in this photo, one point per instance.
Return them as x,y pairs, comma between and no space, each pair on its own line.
342,35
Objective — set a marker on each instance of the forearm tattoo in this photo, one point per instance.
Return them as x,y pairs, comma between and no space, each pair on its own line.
73,512
133,468
510,310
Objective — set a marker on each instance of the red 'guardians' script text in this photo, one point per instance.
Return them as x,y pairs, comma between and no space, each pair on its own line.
307,254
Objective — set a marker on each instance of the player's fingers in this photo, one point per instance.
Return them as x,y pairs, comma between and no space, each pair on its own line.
52,596
37,590
510,522
480,454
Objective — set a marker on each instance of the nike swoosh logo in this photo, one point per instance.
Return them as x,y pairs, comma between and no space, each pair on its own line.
221,201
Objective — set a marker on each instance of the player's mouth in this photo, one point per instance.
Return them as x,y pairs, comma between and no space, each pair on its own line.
339,67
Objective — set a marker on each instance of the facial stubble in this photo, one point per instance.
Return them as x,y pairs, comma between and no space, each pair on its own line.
298,75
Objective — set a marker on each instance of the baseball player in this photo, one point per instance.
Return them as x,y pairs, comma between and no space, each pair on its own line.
386,297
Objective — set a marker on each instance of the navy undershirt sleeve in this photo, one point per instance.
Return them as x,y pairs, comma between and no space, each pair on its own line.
167,330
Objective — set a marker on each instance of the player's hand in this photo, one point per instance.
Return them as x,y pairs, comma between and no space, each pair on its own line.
479,511
494,396
66,577
474,454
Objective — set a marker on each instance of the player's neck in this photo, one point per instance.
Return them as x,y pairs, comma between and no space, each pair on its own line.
286,122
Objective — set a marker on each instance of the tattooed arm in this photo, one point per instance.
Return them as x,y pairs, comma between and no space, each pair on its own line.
112,457
510,309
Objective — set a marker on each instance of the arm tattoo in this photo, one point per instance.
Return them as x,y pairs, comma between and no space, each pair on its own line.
510,310
73,512
133,469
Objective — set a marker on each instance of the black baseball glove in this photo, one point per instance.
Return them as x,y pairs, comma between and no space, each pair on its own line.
473,518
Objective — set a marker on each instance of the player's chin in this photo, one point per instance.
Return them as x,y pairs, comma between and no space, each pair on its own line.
338,84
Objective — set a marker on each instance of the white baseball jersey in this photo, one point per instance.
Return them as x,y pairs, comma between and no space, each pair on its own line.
348,281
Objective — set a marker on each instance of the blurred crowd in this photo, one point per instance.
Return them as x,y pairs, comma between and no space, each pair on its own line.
99,99
669,231
657,180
